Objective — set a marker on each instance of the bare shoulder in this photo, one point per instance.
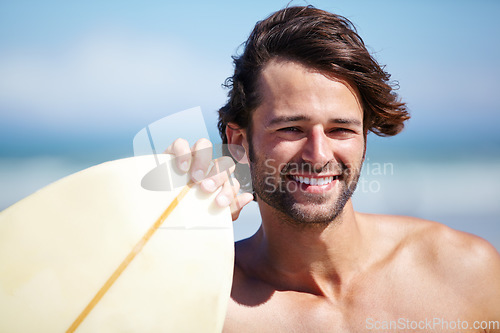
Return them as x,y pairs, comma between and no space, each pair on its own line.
436,239
460,260
449,248
463,261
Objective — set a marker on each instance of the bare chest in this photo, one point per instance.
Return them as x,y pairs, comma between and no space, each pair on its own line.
367,308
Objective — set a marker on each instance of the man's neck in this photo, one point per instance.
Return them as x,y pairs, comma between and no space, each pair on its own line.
320,259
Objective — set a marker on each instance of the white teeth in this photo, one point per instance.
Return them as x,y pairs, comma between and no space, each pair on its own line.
313,181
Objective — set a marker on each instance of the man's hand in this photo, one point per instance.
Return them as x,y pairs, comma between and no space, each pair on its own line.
197,161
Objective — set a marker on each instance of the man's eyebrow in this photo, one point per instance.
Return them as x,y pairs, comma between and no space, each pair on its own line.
348,121
286,119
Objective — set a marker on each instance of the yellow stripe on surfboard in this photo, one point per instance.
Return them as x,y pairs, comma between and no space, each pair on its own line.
128,259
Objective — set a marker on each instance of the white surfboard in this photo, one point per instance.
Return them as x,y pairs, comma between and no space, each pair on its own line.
97,252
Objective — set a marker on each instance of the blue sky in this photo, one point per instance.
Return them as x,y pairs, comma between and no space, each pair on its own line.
78,80
87,76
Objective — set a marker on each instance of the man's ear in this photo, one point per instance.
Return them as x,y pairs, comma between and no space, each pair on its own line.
237,142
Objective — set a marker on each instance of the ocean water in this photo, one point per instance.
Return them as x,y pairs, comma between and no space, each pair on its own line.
463,194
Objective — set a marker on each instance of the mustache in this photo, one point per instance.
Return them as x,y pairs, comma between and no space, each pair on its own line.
306,167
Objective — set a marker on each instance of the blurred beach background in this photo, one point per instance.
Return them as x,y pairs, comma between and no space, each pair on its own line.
78,80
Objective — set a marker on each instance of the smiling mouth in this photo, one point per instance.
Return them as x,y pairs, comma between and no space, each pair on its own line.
314,181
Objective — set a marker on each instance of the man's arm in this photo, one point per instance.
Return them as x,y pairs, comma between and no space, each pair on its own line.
488,273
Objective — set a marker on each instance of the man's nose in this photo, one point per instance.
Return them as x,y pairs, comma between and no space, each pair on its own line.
317,149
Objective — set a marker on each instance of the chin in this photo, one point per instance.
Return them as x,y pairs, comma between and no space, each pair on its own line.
313,215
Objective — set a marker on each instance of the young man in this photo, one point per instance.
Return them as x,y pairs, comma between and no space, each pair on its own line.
303,97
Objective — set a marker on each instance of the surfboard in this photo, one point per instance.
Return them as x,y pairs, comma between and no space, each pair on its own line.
98,251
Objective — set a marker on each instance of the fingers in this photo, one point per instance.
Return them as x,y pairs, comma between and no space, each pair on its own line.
202,156
220,172
220,175
237,205
180,149
198,159
228,196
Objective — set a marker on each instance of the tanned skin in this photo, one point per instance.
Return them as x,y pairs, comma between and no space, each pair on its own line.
316,265
344,275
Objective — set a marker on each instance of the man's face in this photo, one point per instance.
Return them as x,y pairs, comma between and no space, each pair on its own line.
306,145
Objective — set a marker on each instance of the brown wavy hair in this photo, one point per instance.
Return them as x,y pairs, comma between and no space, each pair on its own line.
321,40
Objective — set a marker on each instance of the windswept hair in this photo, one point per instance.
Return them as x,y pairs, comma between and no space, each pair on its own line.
325,42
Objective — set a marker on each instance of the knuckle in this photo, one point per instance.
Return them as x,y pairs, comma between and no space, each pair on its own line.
220,177
180,143
180,148
226,160
203,143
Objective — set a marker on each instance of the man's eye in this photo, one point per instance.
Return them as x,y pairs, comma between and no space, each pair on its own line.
341,130
289,129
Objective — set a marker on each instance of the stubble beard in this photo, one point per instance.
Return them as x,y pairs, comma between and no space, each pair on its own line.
273,190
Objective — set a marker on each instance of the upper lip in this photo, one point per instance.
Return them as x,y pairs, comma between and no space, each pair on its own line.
312,176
